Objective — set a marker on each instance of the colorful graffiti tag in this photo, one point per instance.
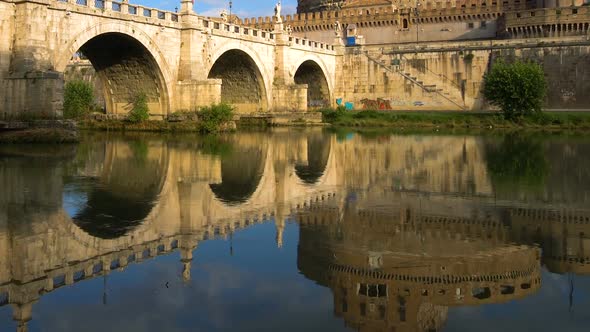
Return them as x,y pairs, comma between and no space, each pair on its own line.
379,104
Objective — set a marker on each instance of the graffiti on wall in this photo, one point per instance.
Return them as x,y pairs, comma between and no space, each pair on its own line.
382,103
378,104
318,103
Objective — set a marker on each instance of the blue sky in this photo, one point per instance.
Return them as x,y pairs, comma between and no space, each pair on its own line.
243,8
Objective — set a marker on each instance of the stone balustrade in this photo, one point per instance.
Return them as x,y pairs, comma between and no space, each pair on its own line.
303,43
228,29
106,7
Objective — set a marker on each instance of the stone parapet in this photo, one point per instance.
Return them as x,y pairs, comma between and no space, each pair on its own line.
118,9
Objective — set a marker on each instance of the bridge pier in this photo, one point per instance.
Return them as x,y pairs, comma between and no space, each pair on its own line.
286,96
29,83
192,89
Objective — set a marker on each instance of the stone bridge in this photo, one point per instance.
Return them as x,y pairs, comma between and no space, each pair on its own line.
179,60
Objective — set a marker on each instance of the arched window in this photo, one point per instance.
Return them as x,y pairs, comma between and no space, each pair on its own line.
405,23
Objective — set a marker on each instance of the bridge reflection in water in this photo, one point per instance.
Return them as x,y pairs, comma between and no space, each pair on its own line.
400,228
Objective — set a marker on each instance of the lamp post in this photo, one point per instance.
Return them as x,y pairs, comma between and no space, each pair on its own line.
230,6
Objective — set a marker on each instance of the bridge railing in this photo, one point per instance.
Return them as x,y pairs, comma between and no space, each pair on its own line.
238,29
125,8
298,42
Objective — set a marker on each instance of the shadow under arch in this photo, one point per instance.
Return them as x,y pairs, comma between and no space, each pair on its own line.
126,69
318,153
120,198
241,173
318,90
242,83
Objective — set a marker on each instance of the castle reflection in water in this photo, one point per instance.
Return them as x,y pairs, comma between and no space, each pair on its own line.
399,227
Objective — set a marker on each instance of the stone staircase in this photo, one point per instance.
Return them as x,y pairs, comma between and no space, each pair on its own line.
429,82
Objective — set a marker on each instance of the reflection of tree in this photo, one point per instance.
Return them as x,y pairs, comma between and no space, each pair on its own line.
518,161
215,146
140,151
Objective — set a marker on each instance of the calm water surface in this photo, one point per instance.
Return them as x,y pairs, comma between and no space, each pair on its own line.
297,230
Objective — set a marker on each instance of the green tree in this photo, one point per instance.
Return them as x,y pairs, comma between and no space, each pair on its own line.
78,99
517,88
140,111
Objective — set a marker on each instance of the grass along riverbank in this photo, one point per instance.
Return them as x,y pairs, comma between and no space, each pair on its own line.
368,118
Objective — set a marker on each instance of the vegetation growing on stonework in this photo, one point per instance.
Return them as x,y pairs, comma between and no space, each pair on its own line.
78,99
213,117
517,88
140,111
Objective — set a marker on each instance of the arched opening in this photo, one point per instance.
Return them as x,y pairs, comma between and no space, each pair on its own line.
318,93
405,23
242,84
318,152
241,171
125,69
115,187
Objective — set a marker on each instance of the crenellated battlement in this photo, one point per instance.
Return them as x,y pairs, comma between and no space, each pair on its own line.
427,12
546,22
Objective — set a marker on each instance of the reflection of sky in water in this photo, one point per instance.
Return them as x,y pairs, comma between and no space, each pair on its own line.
546,310
74,199
259,288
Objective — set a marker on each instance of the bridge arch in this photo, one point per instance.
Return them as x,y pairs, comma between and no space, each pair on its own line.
242,173
311,70
118,48
318,155
240,68
117,202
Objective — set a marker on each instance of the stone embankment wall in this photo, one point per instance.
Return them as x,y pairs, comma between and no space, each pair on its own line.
449,76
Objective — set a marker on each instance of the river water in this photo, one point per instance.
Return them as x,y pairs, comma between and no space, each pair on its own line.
297,230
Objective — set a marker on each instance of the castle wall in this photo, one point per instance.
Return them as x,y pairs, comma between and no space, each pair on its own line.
395,34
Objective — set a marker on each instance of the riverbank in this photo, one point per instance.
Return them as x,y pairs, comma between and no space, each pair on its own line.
488,120
147,126
39,136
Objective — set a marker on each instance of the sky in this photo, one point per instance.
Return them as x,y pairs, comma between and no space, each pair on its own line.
242,8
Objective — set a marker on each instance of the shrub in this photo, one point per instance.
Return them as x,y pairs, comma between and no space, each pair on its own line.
518,88
78,99
212,117
332,115
140,111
